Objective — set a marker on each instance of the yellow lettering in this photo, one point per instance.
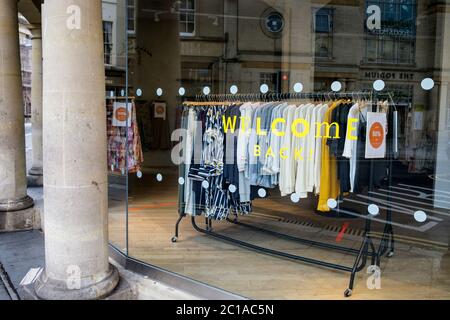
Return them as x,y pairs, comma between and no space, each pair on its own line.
274,127
351,128
260,132
270,153
328,129
244,121
283,154
298,154
305,131
229,124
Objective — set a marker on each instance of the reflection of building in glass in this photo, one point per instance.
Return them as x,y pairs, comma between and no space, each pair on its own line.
219,43
114,41
25,59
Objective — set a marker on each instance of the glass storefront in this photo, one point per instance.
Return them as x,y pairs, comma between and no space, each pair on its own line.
303,142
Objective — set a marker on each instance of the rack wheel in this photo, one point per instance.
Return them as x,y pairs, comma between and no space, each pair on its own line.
348,293
390,254
174,239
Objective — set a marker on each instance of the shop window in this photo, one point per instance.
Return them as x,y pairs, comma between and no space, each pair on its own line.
187,17
323,20
131,16
108,41
394,43
323,29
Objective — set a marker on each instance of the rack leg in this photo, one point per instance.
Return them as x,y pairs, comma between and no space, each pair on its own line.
177,228
392,243
362,251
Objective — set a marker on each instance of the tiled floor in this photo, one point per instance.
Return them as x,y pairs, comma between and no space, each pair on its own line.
420,268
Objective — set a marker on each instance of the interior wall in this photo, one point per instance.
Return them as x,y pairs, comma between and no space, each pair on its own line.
158,65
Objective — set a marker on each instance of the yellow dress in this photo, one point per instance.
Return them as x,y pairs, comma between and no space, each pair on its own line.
329,183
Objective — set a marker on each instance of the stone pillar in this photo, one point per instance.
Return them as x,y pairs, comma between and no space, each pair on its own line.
13,184
75,164
35,174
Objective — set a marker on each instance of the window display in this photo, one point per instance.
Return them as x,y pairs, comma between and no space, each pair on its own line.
311,131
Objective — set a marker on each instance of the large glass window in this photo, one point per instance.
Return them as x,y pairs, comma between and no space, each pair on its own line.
323,28
394,42
131,16
108,40
187,17
198,69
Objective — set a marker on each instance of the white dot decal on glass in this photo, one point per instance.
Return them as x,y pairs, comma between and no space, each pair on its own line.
262,193
264,88
374,209
336,86
420,216
298,87
182,91
139,174
159,177
205,184
379,85
427,84
232,188
206,91
234,90
332,203
295,198
139,92
122,93
159,92
181,181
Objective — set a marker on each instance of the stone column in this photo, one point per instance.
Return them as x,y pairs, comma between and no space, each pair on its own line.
35,174
75,164
13,184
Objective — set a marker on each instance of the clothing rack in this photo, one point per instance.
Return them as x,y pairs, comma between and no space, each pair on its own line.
120,98
269,97
367,248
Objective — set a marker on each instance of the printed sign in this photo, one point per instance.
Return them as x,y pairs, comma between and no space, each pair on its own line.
376,135
160,110
122,114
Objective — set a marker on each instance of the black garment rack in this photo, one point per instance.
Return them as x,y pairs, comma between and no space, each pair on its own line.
367,248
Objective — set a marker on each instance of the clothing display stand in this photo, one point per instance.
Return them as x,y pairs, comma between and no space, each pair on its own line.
367,248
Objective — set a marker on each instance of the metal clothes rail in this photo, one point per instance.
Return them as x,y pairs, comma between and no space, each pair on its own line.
367,249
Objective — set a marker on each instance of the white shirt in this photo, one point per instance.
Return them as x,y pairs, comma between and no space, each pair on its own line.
287,176
350,147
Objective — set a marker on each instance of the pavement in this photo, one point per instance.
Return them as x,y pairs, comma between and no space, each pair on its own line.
20,252
3,293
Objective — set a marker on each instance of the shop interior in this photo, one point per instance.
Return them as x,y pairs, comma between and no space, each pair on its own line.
190,50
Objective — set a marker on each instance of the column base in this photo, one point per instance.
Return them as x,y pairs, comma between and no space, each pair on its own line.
49,289
22,220
35,171
16,205
35,177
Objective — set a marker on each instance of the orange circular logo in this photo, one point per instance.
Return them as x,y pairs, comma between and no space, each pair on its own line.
376,135
121,114
160,110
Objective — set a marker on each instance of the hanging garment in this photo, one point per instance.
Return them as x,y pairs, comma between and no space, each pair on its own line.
329,185
287,176
242,157
319,132
124,151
